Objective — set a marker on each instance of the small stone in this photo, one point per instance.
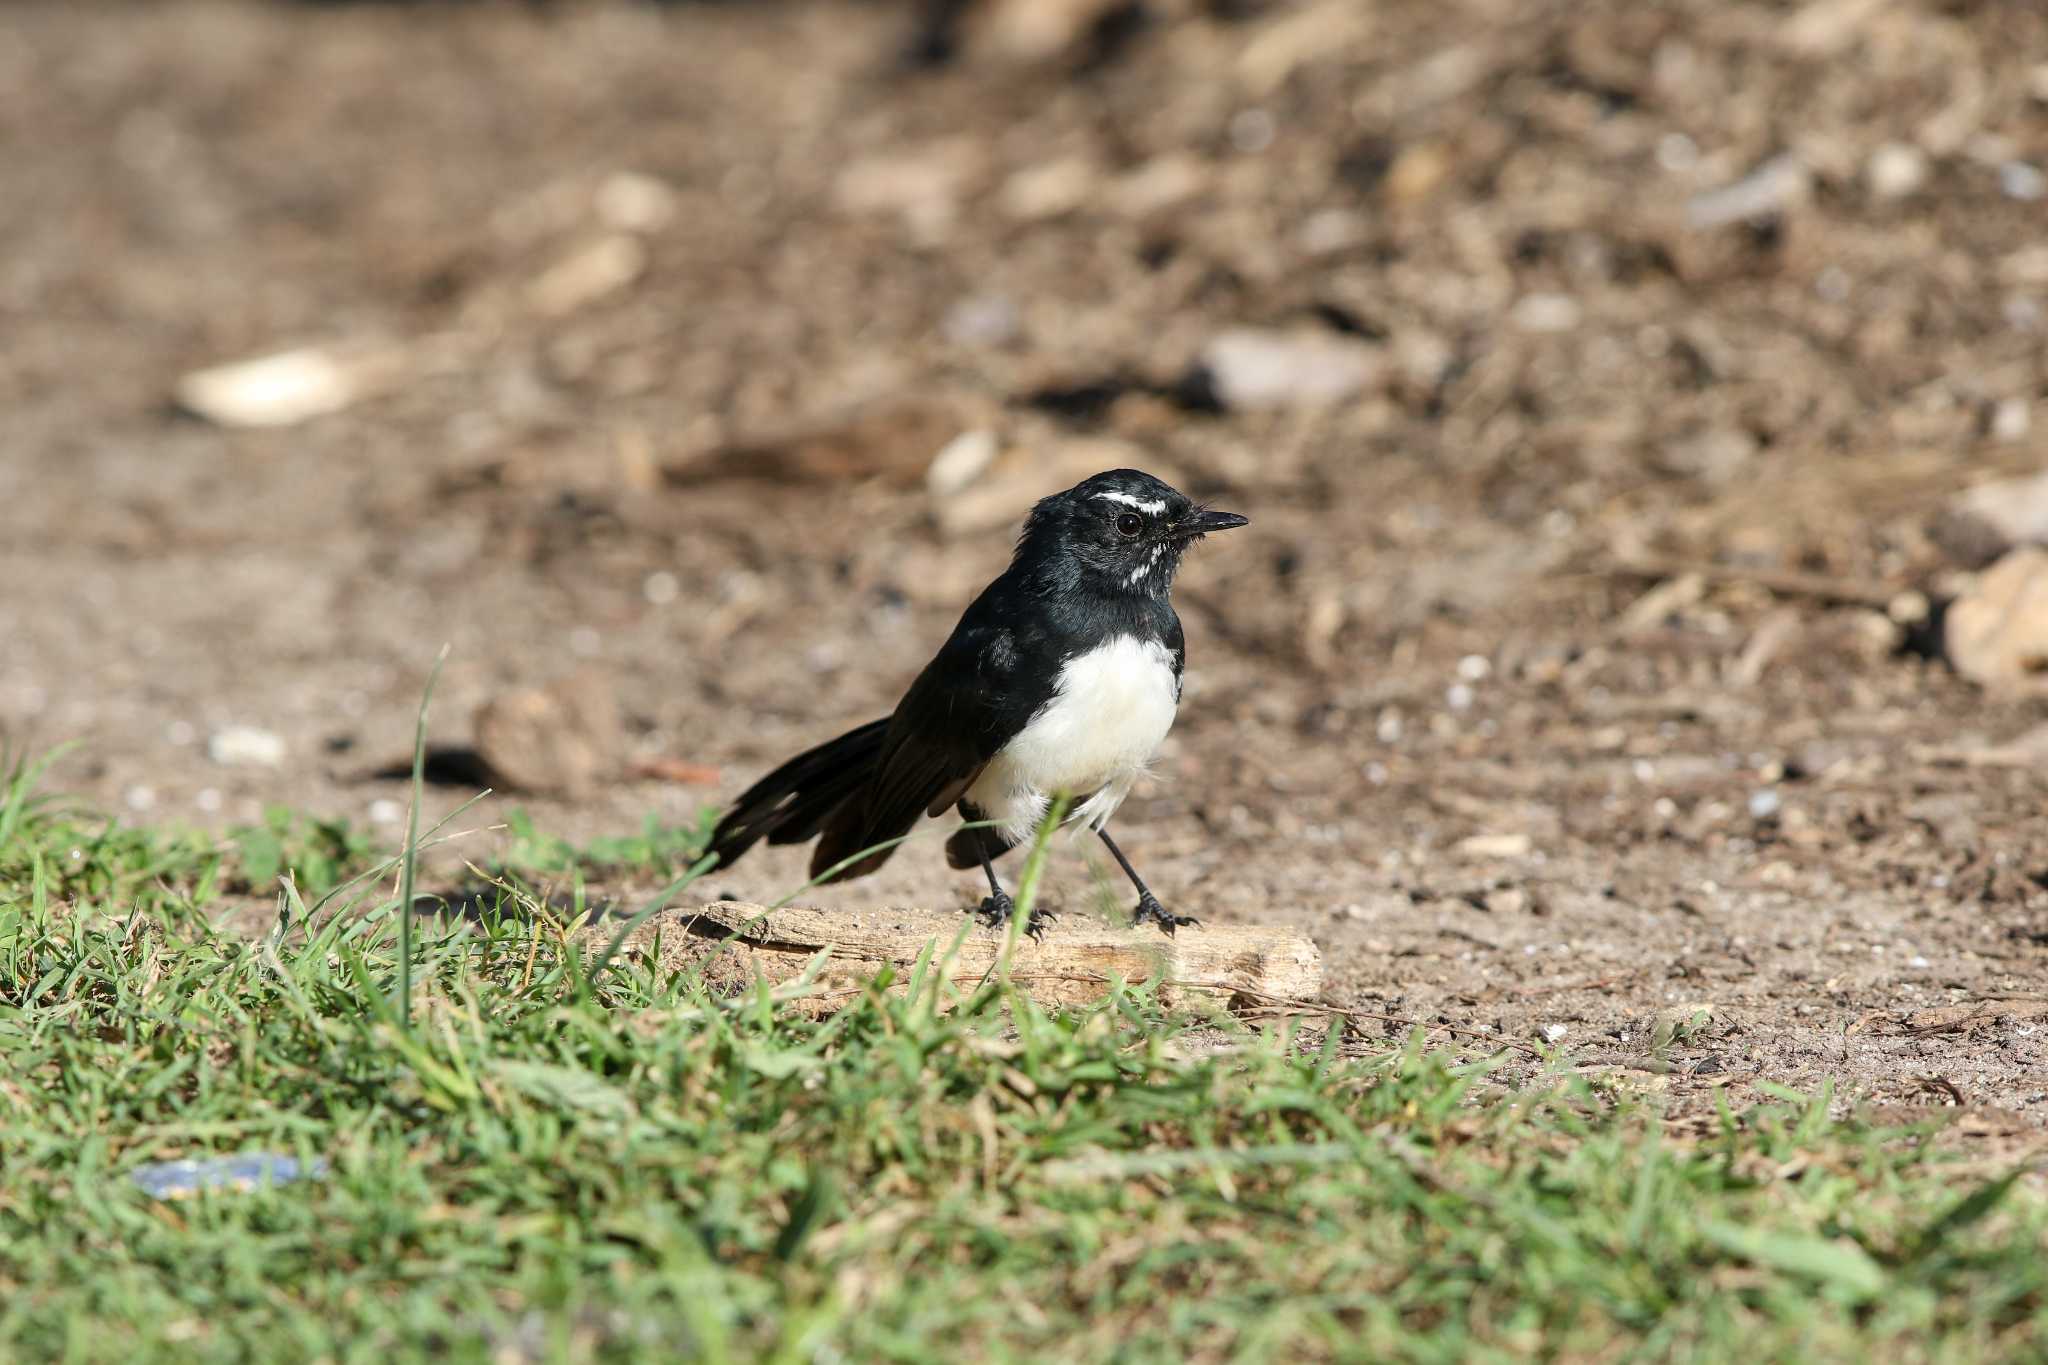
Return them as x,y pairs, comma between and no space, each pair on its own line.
1416,172
1553,1033
2011,419
1051,190
1895,170
1250,368
1159,185
1546,313
632,202
1996,633
245,746
1507,900
278,390
660,588
1982,523
960,462
983,320
1768,190
1495,846
1765,804
567,737
2022,181
1251,131
1036,30
922,186
588,274
384,811
1329,231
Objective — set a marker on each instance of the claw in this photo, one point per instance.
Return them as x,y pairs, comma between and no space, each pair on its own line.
995,911
1150,911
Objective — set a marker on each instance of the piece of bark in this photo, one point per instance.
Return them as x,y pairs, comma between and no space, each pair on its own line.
1071,964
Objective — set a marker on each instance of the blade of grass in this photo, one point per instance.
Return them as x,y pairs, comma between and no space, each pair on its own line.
1027,882
410,861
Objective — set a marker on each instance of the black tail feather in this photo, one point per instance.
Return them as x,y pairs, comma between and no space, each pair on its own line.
794,802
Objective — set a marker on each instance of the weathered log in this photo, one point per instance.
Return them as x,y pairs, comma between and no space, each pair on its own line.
1071,964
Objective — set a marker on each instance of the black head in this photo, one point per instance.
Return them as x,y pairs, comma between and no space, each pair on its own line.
1121,532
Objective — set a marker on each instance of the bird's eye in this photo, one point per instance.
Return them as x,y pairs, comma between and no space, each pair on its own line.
1129,524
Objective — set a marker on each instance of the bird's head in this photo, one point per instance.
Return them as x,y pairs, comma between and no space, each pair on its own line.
1121,531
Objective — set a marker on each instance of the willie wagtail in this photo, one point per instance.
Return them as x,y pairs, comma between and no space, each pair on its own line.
1062,677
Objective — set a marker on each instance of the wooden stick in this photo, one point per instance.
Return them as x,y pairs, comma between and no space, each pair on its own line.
1070,965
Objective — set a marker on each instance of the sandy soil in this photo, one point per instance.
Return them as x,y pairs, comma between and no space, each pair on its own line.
1432,717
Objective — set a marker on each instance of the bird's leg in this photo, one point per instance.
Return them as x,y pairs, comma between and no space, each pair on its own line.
1149,910
997,907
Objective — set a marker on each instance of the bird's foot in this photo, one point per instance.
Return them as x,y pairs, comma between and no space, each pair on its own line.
995,911
1150,911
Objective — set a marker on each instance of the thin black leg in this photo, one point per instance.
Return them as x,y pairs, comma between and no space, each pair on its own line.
997,907
1149,910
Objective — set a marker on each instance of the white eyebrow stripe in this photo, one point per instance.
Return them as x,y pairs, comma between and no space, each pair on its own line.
1155,507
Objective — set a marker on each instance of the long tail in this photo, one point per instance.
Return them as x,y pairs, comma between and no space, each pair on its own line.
791,804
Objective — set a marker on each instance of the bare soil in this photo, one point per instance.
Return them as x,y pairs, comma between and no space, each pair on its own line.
707,483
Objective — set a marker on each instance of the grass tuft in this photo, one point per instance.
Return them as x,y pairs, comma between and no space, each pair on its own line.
574,1153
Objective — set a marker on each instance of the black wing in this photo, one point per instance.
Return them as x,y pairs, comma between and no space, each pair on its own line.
969,701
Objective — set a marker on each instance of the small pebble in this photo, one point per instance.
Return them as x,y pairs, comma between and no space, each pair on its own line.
1554,1033
1251,131
1677,152
2022,181
960,462
140,797
633,202
660,588
1458,696
1765,804
385,811
245,746
982,320
1495,846
1895,170
2011,420
1546,313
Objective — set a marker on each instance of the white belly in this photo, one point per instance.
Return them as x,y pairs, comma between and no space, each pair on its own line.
1109,712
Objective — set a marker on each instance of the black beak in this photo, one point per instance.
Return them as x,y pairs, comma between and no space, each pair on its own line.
1205,521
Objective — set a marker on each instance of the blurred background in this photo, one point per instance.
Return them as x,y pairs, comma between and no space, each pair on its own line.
1611,387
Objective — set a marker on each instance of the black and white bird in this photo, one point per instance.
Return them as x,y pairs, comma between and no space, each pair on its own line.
1062,678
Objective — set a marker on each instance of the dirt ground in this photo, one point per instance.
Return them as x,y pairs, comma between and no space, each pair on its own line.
666,310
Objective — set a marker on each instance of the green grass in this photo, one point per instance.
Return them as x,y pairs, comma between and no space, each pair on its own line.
558,1163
